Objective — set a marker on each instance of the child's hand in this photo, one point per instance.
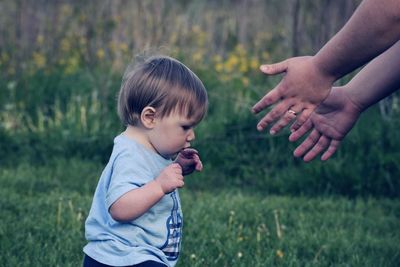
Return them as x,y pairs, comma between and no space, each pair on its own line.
170,178
189,160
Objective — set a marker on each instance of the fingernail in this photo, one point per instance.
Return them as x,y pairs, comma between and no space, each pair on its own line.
264,67
272,132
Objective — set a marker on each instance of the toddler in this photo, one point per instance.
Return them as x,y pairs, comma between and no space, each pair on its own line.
136,217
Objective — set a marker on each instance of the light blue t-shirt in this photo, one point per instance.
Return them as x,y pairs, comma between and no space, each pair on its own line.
156,235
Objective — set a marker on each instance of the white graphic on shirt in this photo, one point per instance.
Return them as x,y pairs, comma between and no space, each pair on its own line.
174,228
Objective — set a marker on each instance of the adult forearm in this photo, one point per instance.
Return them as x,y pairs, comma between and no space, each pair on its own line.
373,28
377,80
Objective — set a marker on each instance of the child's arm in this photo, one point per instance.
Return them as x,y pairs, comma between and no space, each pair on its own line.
136,202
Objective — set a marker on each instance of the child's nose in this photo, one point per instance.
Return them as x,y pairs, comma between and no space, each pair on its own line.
191,136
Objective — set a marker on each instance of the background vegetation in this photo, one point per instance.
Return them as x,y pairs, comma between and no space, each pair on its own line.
61,64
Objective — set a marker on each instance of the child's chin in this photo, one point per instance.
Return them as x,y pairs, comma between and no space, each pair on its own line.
171,156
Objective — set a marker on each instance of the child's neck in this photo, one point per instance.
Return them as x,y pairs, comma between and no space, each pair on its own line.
139,135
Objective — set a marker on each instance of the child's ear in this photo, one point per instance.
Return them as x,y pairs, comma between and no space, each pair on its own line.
147,117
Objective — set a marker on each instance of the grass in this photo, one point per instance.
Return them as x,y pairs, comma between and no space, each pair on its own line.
44,207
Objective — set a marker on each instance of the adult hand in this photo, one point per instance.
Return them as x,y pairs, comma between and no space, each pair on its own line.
301,89
329,124
189,161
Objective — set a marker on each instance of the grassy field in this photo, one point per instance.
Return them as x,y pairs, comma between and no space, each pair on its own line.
43,209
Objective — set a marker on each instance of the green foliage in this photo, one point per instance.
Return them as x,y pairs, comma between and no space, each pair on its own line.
80,120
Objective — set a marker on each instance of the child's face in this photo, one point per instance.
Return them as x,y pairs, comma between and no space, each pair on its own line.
171,134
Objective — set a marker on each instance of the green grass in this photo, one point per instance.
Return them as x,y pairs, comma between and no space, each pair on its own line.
43,209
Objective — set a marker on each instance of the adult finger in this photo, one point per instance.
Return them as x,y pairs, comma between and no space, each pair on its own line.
308,143
284,120
331,150
321,145
273,69
301,118
295,135
270,98
274,114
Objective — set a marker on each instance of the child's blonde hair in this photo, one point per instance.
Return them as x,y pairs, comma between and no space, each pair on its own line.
165,84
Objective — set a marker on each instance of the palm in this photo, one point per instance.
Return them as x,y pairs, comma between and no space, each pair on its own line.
330,123
332,118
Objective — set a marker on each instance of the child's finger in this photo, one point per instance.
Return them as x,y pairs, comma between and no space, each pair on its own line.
177,167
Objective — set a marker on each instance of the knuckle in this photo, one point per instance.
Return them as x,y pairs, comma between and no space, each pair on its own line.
274,113
313,138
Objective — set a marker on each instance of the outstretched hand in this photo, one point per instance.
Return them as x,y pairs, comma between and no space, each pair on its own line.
329,124
189,161
302,88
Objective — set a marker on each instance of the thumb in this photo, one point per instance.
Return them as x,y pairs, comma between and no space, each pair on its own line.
275,68
176,165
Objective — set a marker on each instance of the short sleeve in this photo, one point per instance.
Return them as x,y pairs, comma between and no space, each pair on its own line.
128,172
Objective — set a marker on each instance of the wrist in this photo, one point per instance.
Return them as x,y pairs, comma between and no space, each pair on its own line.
322,68
353,104
157,187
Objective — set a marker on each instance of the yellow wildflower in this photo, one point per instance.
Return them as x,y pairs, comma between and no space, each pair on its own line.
39,59
123,47
5,57
243,66
72,65
245,81
82,41
279,253
217,58
231,63
65,45
240,50
100,53
198,56
40,39
66,10
254,63
219,67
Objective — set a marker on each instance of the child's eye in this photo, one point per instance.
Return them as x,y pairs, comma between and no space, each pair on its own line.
186,127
